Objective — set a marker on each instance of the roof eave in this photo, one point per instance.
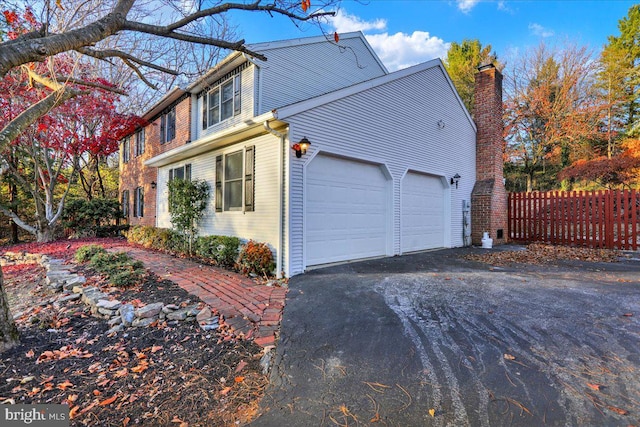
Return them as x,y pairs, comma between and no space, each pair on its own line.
237,133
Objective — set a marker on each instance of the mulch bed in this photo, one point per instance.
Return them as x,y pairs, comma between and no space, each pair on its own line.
158,376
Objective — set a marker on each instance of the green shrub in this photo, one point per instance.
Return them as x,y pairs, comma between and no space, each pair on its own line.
221,249
127,278
88,218
85,253
119,267
157,238
256,258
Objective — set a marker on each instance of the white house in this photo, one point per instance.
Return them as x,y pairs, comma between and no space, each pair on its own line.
377,178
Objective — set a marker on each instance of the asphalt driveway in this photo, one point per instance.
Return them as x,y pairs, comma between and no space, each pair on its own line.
432,339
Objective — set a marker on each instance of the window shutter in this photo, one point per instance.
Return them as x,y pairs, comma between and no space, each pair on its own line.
204,111
218,195
170,174
236,95
187,172
171,125
141,206
135,203
163,127
249,171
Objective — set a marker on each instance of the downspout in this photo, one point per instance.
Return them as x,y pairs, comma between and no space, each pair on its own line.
282,137
257,91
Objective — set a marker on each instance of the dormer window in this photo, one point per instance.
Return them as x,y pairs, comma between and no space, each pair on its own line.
222,102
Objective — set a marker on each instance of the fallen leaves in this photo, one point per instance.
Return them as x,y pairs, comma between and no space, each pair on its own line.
432,412
63,353
617,410
108,401
542,254
508,356
595,387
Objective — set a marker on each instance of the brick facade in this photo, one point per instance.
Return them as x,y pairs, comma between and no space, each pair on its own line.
489,197
134,173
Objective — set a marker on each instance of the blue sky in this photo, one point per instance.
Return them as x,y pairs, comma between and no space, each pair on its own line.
404,33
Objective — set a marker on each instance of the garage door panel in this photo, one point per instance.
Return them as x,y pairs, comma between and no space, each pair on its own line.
423,221
346,210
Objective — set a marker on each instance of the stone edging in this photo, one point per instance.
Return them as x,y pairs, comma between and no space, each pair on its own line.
60,279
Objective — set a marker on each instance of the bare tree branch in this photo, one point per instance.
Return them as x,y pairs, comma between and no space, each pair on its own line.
35,50
139,73
112,53
80,82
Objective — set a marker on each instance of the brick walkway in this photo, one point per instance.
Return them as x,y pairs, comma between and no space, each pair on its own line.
250,309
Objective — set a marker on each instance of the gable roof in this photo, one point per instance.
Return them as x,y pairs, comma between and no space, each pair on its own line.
279,44
299,107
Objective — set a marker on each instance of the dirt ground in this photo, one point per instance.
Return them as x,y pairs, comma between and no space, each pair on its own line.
162,375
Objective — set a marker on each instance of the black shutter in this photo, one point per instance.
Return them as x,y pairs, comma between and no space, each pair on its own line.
163,128
249,171
218,195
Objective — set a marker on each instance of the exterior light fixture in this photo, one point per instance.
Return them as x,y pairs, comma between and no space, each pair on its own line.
455,179
153,185
301,147
441,124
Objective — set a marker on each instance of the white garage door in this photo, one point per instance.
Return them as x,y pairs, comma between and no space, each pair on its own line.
346,210
422,212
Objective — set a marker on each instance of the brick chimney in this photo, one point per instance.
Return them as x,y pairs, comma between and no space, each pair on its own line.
489,197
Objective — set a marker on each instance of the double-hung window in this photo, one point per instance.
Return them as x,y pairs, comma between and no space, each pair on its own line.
139,147
235,181
168,126
182,172
222,102
138,203
126,149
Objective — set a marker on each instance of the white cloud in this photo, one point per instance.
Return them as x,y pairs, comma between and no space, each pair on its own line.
466,5
396,51
344,23
539,30
402,50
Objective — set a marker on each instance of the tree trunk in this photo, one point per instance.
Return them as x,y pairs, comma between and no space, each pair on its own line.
13,190
8,331
45,234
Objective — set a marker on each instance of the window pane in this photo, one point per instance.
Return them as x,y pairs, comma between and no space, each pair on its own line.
227,100
233,166
214,107
233,194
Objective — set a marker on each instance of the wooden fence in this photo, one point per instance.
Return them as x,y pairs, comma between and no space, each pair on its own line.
595,219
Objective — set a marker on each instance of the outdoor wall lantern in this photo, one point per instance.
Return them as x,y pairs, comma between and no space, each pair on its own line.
153,185
454,179
301,147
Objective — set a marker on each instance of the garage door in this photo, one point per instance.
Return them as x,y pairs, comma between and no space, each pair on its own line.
422,215
346,209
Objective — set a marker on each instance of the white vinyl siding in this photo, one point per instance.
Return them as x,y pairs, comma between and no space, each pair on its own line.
408,139
261,224
299,72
